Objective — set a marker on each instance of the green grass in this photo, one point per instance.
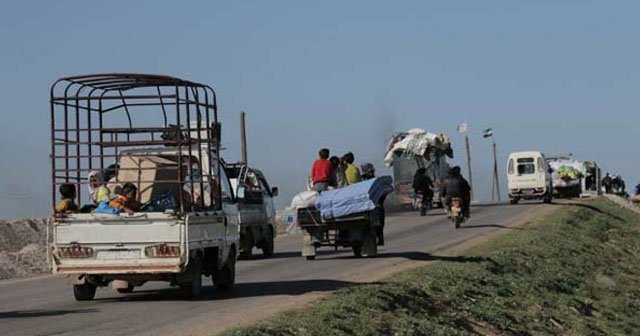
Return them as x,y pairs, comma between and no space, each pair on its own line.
576,272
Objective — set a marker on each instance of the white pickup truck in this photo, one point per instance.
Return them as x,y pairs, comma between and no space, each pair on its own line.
95,249
156,135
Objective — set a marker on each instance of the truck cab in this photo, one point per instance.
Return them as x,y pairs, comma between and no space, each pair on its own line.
529,177
257,213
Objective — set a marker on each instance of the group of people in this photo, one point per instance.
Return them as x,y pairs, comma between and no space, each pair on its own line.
100,195
614,184
454,185
333,172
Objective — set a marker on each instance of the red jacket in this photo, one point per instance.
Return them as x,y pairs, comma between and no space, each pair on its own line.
321,171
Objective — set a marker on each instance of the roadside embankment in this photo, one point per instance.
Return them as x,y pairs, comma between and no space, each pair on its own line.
23,248
575,271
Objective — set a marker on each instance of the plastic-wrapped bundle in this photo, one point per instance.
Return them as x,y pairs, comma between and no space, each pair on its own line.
356,198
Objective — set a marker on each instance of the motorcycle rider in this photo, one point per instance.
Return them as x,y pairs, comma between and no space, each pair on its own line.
456,186
422,185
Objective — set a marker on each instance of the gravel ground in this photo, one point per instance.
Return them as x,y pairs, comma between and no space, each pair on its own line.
23,248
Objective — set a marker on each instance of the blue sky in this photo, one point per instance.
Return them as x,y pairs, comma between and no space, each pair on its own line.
556,76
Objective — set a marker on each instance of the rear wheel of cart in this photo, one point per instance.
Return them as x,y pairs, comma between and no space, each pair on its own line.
193,288
225,278
84,292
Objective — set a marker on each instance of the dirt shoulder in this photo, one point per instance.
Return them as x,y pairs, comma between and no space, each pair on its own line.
570,271
23,248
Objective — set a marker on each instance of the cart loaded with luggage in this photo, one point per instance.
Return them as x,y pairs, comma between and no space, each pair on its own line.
351,217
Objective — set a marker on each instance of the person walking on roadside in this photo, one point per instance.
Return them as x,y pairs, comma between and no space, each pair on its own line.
607,182
456,186
321,171
351,172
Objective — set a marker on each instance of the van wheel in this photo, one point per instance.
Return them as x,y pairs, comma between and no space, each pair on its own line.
225,278
193,288
84,292
269,245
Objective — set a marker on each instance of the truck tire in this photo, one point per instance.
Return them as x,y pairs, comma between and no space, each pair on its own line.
193,288
514,201
269,245
547,198
84,292
246,245
225,278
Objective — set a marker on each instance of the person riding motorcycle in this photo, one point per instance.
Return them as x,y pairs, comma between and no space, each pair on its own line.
456,186
422,185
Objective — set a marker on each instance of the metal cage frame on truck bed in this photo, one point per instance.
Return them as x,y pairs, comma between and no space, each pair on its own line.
96,118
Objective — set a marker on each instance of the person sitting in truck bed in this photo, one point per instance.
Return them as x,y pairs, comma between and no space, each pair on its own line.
67,204
127,201
338,180
98,190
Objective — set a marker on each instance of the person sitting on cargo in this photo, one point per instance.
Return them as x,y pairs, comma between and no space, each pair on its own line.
607,182
368,171
127,201
98,190
67,204
456,186
351,172
321,171
422,185
338,180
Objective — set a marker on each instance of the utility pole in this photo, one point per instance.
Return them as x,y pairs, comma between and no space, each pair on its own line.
495,169
243,138
463,129
495,187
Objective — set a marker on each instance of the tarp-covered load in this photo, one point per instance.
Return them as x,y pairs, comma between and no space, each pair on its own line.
567,172
417,142
353,199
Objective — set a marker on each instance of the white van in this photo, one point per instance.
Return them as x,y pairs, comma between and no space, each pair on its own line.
529,177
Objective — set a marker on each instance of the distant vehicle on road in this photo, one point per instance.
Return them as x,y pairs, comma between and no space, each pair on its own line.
256,208
529,177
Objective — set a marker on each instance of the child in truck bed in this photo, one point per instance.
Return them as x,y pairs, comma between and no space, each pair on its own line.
127,201
67,204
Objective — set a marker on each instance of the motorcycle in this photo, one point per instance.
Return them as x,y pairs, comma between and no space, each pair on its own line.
419,204
457,215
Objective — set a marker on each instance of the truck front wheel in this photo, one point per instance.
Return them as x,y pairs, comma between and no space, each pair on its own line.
269,245
84,292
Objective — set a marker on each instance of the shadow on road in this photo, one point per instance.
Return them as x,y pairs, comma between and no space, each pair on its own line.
277,255
422,256
465,226
42,313
242,290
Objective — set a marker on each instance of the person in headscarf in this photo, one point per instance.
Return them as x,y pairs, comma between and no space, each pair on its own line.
98,191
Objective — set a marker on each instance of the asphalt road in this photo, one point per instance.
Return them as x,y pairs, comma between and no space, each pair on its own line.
45,306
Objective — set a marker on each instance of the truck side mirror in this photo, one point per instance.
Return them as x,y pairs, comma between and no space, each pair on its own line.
240,193
274,191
